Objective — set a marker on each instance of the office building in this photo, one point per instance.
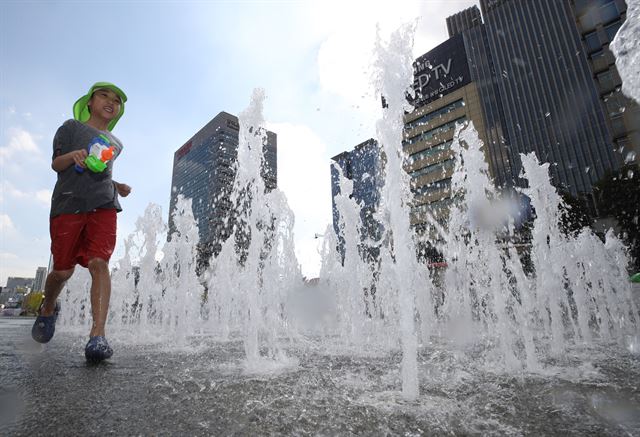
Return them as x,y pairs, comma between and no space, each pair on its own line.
551,104
598,21
364,167
41,277
452,85
523,78
204,170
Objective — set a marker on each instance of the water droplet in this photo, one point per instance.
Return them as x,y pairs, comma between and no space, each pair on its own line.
547,114
630,174
586,169
631,156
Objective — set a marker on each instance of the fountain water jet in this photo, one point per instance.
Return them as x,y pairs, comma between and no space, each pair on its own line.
399,267
256,269
497,318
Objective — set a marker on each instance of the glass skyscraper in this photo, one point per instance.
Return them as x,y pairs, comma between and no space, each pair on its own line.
551,105
204,171
598,21
363,165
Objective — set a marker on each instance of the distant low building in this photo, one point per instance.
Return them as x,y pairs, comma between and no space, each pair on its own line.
16,288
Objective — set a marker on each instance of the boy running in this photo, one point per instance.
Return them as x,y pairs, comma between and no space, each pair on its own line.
83,210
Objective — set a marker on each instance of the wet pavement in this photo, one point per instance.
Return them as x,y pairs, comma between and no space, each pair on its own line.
204,390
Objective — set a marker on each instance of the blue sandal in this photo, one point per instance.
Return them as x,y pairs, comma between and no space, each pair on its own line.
97,349
45,326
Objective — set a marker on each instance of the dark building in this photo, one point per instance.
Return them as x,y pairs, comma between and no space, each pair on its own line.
523,77
204,170
598,21
15,283
464,20
364,166
551,105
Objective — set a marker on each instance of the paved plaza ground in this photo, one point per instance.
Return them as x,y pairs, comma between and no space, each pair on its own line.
204,390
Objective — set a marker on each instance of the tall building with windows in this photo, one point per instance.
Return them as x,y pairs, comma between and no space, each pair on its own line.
598,21
41,276
363,166
204,170
551,104
453,84
520,72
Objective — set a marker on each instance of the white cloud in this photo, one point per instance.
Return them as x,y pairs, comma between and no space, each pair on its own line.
44,196
20,254
432,25
9,191
345,56
346,52
303,175
22,265
6,225
21,147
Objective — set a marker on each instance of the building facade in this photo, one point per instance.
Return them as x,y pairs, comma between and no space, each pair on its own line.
452,85
204,170
598,21
523,77
551,104
16,289
41,277
364,167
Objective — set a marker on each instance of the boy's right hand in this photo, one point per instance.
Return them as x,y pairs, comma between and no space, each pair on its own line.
79,156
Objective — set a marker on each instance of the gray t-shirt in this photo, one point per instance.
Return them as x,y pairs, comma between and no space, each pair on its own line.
82,192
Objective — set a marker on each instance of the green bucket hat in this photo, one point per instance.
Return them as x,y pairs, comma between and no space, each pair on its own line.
81,110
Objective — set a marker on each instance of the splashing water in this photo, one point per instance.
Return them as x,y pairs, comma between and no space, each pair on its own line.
626,48
490,313
250,279
399,268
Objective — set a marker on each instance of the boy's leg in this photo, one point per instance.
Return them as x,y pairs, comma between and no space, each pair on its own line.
44,327
100,294
52,288
66,232
100,241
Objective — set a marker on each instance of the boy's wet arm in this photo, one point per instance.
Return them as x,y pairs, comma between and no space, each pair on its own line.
123,189
63,162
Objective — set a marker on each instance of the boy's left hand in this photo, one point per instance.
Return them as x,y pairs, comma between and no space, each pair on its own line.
123,189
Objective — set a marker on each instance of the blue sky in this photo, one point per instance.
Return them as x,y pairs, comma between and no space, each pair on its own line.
181,63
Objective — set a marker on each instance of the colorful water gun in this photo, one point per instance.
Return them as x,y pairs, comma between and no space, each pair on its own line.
100,152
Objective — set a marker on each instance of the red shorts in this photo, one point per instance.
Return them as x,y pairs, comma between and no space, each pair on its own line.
78,238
